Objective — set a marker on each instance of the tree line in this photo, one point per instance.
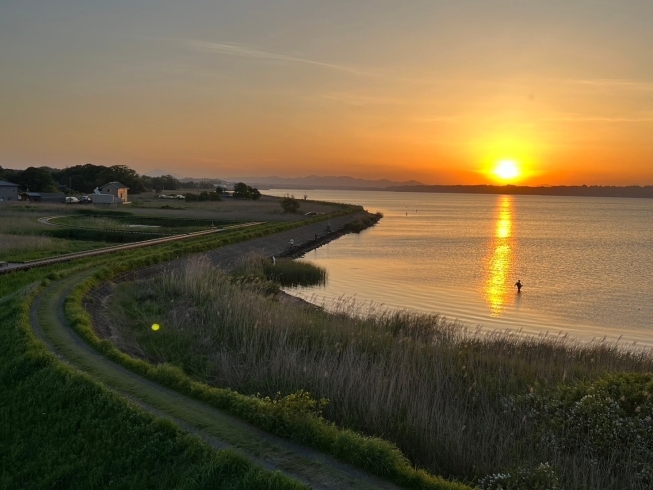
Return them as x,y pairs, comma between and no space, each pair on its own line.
85,178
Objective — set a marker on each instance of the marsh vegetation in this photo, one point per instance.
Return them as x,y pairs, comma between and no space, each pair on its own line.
458,402
283,271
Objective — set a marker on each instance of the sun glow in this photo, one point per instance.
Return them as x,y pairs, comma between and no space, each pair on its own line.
507,170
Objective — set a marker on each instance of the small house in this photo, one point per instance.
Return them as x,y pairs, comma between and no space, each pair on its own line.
116,189
8,191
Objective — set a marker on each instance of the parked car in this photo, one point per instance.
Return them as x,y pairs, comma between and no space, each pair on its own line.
72,200
85,200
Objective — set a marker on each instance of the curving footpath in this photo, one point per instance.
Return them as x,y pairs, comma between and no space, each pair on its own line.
219,429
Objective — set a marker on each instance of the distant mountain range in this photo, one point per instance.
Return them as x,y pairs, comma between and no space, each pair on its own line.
310,182
317,182
157,172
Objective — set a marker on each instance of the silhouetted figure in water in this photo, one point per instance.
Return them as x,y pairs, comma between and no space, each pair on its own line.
518,284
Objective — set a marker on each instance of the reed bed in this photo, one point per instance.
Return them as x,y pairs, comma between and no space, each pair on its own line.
456,401
283,271
13,243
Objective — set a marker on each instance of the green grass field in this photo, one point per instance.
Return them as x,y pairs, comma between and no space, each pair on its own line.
61,429
87,227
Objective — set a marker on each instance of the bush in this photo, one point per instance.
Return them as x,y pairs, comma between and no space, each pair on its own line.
609,421
289,204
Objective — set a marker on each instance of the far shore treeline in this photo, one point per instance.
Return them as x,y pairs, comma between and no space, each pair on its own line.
85,178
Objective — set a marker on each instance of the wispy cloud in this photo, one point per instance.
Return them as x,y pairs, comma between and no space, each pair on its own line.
574,117
232,49
612,84
358,99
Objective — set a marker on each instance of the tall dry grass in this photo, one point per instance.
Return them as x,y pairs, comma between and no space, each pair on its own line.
12,243
438,390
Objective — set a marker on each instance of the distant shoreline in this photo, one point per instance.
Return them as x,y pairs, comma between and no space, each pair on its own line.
642,192
559,190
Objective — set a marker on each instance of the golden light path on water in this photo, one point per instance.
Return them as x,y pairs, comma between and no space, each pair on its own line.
499,269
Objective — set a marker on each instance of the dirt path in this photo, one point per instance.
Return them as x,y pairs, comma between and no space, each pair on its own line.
219,429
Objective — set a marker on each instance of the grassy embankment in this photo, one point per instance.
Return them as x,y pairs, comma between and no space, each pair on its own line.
61,430
295,416
23,238
498,410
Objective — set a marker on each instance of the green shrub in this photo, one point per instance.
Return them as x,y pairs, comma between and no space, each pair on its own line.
609,421
289,204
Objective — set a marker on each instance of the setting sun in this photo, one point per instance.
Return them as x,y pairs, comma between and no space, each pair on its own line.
506,170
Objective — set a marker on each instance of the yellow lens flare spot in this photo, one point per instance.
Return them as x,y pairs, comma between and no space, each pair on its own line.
507,170
156,326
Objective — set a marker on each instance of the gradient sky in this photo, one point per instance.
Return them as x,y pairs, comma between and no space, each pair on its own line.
437,91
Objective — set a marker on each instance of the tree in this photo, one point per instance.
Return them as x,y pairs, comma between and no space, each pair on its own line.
162,183
124,175
243,191
289,204
37,180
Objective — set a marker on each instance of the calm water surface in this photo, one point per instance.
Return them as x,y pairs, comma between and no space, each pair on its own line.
586,263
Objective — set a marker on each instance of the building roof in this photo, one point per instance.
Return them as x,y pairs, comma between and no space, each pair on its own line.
116,184
4,183
44,194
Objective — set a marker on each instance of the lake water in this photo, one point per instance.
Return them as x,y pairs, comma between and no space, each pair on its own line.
586,263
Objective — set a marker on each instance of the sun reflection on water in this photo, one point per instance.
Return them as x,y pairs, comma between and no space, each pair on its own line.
499,268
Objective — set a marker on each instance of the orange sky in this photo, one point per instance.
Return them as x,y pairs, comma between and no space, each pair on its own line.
433,91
